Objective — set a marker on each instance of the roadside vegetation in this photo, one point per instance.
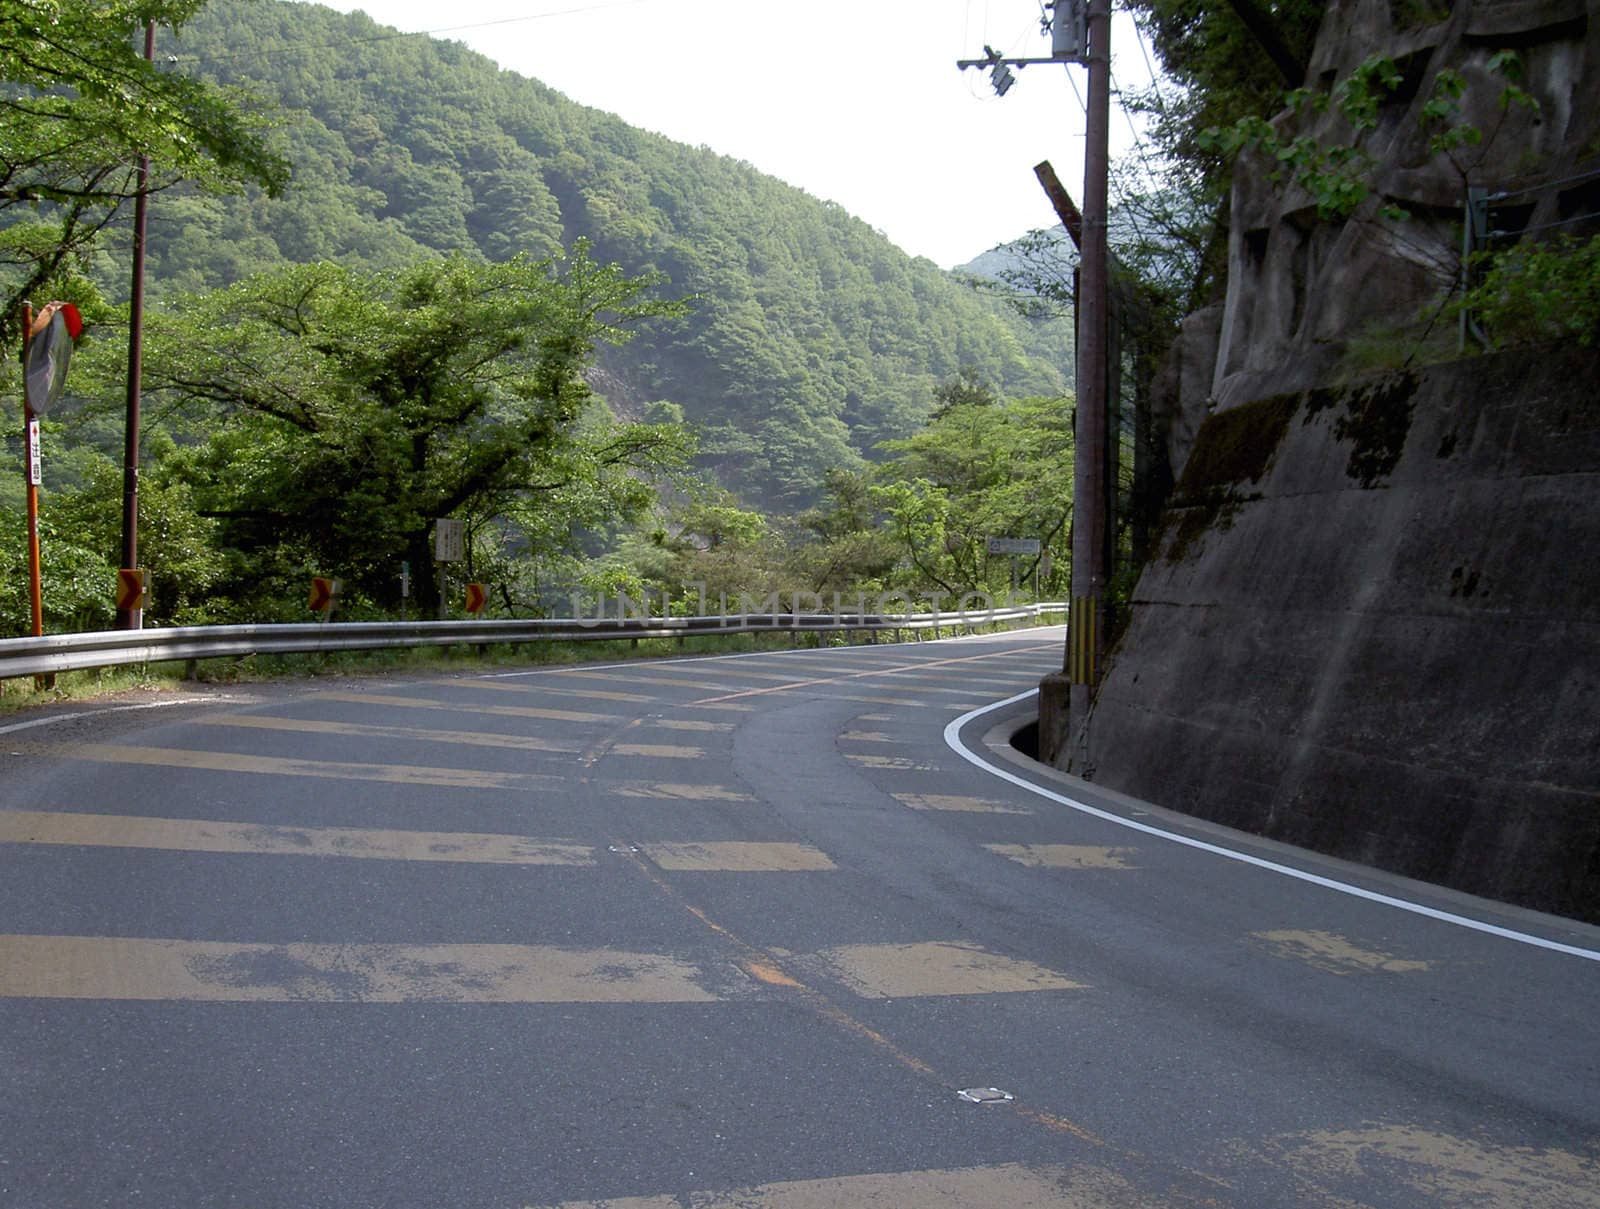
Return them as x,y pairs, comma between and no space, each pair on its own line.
390,284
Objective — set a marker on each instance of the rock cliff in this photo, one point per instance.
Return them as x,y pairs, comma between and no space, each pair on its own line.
1371,626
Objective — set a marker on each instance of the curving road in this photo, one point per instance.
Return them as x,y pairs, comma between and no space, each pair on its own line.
790,930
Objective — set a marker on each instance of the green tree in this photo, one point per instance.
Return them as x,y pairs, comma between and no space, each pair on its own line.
358,408
979,471
846,547
177,545
79,107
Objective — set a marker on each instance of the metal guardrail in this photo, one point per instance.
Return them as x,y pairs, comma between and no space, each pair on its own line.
119,648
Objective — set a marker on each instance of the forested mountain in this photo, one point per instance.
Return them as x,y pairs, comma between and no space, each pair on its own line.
810,338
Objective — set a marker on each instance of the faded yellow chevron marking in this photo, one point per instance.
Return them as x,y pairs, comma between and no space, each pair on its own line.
1334,953
646,675
502,686
906,702
946,801
1440,1168
935,968
660,751
283,766
921,668
899,763
497,711
465,738
1006,1186
103,967
674,792
737,857
208,835
868,736
1064,856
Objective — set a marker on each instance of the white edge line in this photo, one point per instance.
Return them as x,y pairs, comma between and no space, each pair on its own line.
105,709
952,738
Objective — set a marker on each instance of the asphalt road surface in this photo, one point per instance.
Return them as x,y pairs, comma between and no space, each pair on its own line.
791,930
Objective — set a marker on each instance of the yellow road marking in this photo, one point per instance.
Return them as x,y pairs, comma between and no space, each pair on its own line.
594,693
645,676
1011,1185
790,664
466,738
103,967
1063,856
945,801
681,793
1442,1168
208,835
687,724
936,968
497,711
1334,953
740,670
868,736
738,857
283,766
663,751
897,669
966,676
764,966
899,763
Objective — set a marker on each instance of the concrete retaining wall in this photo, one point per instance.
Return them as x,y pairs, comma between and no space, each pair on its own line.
1374,629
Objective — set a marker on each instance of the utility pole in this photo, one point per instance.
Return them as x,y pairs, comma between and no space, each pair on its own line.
1089,500
31,457
133,619
1080,32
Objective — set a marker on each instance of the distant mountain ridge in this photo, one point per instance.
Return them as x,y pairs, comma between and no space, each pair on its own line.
811,338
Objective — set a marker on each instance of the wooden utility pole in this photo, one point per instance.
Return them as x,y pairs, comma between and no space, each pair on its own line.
1090,485
133,619
1066,210
31,459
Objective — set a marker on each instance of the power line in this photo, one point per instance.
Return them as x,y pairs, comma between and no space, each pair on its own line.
392,35
1155,76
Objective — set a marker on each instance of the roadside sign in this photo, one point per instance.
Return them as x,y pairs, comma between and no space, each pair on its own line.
323,592
133,587
35,466
477,597
1013,545
449,540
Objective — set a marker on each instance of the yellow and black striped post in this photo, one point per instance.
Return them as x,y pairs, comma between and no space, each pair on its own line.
1082,634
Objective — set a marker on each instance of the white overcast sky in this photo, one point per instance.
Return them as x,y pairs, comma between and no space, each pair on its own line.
855,101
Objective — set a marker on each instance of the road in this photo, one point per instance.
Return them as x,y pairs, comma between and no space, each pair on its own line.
792,929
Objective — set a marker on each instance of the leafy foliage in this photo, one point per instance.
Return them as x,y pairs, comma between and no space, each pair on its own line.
979,471
357,408
1337,174
1540,292
811,338
79,107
